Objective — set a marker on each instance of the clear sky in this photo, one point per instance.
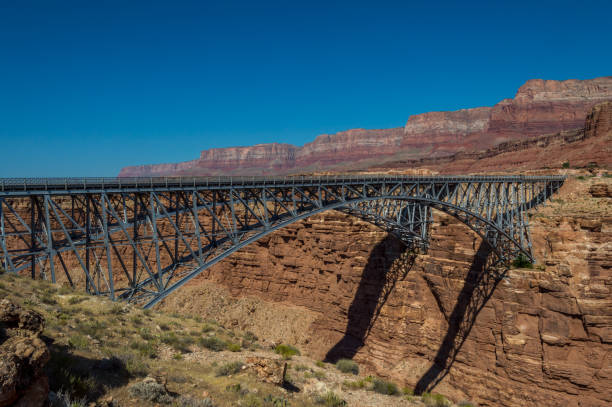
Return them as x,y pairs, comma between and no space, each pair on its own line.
87,87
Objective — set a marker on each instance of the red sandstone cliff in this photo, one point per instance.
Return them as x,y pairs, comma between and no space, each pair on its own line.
539,107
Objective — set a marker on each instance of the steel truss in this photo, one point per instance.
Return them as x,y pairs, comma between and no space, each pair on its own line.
139,239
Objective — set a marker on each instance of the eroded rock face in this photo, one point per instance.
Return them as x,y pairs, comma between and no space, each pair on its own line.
23,356
538,108
526,337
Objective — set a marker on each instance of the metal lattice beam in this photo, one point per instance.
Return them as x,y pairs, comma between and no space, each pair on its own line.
139,239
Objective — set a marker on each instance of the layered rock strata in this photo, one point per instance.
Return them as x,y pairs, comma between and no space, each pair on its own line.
539,107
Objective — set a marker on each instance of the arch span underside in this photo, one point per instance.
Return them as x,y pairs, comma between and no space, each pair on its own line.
142,244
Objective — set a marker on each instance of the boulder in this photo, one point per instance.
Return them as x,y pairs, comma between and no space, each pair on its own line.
268,370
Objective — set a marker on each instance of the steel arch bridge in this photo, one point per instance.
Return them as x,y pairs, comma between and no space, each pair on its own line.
139,239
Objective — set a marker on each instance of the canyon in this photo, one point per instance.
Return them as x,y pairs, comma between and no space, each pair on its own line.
540,107
443,320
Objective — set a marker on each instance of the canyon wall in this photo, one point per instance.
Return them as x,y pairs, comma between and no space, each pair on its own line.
525,337
539,107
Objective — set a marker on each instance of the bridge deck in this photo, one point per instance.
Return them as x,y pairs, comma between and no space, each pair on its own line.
32,186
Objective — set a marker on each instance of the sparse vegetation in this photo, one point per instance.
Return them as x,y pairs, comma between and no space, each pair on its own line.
330,399
229,368
384,387
78,341
151,391
347,366
435,400
286,351
521,261
213,343
565,165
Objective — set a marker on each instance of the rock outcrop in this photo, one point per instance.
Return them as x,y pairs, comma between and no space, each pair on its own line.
538,108
23,356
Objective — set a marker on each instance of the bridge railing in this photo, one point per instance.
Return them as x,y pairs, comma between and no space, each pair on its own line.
86,183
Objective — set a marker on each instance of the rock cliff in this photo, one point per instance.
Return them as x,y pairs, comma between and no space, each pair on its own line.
538,108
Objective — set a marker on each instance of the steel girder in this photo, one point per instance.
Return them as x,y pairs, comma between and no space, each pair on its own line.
141,239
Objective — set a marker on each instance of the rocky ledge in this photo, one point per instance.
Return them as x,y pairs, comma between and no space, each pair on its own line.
23,356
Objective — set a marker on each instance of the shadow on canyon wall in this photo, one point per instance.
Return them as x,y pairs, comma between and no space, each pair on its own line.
480,283
389,262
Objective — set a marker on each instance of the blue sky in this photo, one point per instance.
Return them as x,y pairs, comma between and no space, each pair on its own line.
89,87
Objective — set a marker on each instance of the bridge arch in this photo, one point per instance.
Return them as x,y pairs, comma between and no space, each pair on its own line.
410,236
141,239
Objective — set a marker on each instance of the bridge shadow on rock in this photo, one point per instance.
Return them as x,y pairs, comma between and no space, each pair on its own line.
480,283
389,262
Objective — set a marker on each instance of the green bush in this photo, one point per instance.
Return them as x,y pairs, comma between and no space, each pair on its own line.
347,366
229,368
521,261
286,351
565,165
435,400
213,343
330,399
233,347
384,387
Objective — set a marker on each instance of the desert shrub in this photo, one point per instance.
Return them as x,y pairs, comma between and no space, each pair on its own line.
207,328
384,387
186,401
145,333
300,367
330,399
78,341
75,299
580,177
235,388
233,347
180,343
147,312
164,327
347,366
93,328
521,261
213,343
251,400
229,368
177,356
145,349
66,376
64,399
566,164
465,404
135,365
150,390
435,400
320,363
286,351
407,391
47,298
357,384
273,401
250,337
136,320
